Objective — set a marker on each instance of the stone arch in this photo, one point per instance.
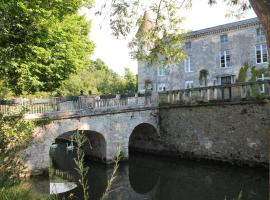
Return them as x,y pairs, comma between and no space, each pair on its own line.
144,138
95,147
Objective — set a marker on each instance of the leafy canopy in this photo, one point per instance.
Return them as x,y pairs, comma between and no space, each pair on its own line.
42,43
99,79
158,41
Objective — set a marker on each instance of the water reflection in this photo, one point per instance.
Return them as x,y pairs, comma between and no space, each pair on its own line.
149,177
56,188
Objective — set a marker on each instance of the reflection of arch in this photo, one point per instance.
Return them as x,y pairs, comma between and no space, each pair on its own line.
94,149
143,173
143,138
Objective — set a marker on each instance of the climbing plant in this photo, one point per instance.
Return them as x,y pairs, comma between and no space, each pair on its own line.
242,76
256,73
203,77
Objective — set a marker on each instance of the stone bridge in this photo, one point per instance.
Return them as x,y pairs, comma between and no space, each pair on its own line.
106,130
225,123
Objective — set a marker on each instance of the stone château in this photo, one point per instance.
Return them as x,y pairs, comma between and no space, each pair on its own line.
221,51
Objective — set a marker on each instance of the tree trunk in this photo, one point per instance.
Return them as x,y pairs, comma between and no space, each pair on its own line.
262,9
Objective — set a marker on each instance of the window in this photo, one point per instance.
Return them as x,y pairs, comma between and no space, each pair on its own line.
161,87
226,80
148,85
224,38
225,59
188,84
261,54
188,64
188,45
162,71
260,32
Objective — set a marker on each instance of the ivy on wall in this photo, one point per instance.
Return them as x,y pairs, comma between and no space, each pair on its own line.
255,73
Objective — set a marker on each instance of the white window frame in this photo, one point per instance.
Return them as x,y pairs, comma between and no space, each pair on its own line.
260,32
188,64
222,41
261,51
225,54
162,71
188,83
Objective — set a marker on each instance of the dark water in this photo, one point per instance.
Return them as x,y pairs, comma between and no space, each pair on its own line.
150,177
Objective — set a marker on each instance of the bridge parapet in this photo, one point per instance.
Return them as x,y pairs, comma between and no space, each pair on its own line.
91,103
233,92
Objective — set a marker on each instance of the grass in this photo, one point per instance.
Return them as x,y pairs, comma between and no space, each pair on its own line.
14,192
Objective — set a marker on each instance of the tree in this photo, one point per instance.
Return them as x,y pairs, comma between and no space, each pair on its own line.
162,40
42,43
98,78
131,81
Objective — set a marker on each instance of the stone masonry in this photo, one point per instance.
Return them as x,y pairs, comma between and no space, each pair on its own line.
115,128
237,133
205,49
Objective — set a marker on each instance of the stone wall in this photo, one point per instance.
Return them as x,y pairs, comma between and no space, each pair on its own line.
205,52
236,133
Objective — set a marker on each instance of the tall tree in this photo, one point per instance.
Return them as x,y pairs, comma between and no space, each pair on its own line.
42,43
160,41
131,81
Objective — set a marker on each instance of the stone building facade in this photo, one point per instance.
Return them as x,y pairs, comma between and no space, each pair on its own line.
221,50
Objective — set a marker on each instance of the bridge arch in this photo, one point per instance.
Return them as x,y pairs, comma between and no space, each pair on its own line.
95,146
106,130
143,138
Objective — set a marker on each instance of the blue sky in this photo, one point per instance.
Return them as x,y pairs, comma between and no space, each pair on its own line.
115,53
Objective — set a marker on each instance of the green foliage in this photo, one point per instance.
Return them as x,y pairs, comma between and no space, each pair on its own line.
118,157
15,134
42,122
100,80
256,73
130,81
5,92
14,193
158,41
242,77
80,141
42,43
203,77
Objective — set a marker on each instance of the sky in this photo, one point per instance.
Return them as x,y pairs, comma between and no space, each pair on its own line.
115,53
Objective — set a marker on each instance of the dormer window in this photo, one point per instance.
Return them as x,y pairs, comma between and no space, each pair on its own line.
260,32
224,38
188,45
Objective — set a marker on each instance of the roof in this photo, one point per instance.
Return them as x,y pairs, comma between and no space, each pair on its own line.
224,27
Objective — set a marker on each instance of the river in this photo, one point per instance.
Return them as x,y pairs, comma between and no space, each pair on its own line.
146,177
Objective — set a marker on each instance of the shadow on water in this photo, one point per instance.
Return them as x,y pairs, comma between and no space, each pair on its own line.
151,177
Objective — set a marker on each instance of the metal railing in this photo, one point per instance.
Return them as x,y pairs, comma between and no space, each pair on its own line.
233,92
